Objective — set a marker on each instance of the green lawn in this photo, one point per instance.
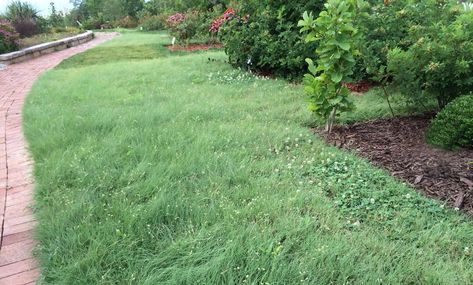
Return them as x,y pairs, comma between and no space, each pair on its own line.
161,169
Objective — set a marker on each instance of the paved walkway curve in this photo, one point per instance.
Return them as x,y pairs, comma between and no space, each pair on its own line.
17,265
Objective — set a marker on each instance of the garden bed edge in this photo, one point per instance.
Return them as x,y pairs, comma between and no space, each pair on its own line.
45,48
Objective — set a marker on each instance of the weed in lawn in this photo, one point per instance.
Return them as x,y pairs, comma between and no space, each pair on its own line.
236,76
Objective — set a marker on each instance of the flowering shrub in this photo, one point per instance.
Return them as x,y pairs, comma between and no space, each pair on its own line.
218,21
8,37
183,26
194,25
175,20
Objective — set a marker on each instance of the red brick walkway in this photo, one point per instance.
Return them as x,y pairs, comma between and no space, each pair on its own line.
17,266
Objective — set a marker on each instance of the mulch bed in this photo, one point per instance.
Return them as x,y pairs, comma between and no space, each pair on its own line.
399,146
359,87
194,47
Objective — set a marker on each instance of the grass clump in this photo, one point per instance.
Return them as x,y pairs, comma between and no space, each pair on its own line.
161,171
453,126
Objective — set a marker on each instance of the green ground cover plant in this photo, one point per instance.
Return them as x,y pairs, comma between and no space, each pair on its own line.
181,170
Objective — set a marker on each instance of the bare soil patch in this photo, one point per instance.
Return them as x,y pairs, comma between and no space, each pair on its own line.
194,47
399,146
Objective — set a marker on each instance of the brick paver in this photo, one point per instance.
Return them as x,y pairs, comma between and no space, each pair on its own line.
17,265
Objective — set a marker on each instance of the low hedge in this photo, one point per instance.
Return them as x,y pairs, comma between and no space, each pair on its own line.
453,127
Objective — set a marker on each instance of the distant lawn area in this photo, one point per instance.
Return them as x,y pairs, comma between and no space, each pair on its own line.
162,168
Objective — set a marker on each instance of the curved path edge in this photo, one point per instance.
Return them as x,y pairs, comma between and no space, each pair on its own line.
17,222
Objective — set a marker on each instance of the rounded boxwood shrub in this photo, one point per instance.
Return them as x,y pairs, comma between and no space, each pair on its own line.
453,126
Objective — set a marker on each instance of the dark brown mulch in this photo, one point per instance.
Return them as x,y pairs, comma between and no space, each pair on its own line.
399,146
194,47
359,87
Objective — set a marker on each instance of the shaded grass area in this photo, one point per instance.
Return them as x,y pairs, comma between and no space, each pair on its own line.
180,170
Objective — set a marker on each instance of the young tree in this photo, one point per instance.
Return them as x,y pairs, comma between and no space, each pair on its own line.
336,35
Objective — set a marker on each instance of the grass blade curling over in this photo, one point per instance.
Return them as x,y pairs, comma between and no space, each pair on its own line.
165,171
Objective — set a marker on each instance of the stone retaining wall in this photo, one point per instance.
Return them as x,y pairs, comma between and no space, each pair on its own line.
38,50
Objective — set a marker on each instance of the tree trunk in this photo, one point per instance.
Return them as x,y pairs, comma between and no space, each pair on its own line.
331,121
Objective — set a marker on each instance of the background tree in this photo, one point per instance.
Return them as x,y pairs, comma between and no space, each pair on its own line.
56,19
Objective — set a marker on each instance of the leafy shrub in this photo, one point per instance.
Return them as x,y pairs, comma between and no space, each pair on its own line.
127,22
438,64
95,23
334,31
152,23
388,25
8,37
453,126
192,25
383,27
61,30
27,27
265,37
183,26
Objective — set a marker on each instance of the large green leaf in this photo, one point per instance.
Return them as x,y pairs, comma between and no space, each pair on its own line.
344,45
336,77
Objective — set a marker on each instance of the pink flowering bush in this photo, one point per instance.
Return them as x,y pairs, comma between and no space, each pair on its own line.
193,25
8,37
177,27
175,20
228,15
183,26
